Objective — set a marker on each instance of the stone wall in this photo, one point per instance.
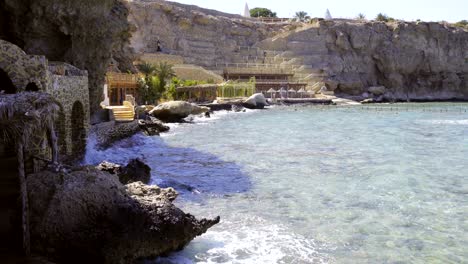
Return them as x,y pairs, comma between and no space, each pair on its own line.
156,58
69,90
68,85
22,68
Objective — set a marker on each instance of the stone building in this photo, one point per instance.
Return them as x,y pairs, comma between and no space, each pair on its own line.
44,110
20,72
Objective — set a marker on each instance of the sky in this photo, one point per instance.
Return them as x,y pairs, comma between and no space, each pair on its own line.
409,10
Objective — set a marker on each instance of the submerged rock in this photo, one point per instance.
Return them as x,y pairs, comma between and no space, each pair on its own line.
88,216
175,111
256,101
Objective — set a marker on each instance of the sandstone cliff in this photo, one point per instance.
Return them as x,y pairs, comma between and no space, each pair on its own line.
85,33
203,37
413,60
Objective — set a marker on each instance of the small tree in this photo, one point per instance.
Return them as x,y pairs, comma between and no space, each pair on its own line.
164,72
463,23
262,12
384,18
361,16
301,16
153,85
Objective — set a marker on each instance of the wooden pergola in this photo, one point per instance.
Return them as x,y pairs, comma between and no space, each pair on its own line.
121,84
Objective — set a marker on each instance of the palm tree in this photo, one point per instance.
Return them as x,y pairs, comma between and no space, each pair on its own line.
147,69
164,72
301,15
361,16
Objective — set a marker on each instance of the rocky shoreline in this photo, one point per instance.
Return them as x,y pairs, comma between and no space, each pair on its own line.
86,215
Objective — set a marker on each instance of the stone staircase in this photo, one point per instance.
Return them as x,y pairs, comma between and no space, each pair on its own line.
10,234
123,113
305,50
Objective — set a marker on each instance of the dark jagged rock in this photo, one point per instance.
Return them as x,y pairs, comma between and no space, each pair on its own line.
108,133
88,216
135,171
109,167
152,126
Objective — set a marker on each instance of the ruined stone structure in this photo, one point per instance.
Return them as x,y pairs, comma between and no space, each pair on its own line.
66,83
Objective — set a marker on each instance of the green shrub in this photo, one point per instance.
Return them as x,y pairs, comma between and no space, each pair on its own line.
384,18
262,12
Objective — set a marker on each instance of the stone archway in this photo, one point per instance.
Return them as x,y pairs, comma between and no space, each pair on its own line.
31,87
6,84
78,131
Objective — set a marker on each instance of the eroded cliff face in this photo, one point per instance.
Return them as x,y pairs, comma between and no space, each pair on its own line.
203,37
419,61
426,61
85,33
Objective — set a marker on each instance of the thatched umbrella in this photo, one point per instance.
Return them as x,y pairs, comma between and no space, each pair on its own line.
292,91
271,92
22,117
301,91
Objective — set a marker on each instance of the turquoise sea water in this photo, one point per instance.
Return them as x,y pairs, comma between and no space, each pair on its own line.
319,184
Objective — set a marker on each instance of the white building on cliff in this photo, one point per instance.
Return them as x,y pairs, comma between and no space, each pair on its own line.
246,10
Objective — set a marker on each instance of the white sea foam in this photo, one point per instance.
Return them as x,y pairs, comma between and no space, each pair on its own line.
249,242
448,122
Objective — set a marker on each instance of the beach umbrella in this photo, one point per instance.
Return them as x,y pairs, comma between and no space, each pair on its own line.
292,91
301,91
271,92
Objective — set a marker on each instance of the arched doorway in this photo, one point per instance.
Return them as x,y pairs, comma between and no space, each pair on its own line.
31,87
6,84
78,136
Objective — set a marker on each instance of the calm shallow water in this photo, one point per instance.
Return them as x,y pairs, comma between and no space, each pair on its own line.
373,184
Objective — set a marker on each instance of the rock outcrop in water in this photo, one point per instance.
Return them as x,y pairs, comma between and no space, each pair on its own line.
85,33
88,216
176,111
135,171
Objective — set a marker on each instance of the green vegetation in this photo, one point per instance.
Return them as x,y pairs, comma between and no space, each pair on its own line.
237,89
384,18
262,12
361,16
171,90
462,24
301,16
153,86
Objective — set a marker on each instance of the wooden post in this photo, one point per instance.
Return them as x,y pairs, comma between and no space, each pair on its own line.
24,200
